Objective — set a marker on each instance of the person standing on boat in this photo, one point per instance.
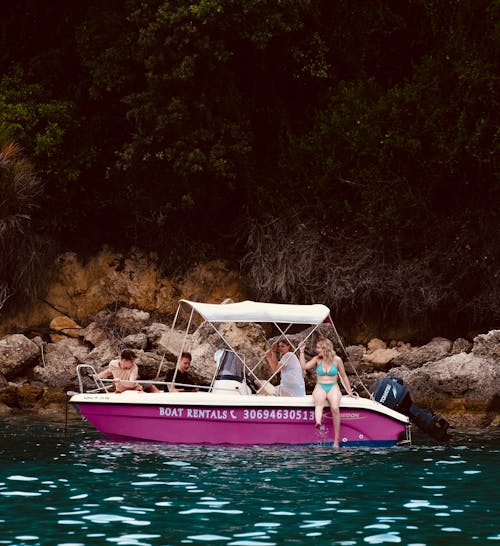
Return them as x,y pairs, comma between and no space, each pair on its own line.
292,380
180,375
329,367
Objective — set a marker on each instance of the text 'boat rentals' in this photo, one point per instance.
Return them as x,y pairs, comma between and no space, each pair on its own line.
233,409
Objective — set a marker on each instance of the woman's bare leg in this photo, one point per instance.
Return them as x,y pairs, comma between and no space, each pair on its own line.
319,396
333,398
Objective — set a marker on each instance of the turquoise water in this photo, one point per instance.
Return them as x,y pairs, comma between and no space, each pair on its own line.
84,490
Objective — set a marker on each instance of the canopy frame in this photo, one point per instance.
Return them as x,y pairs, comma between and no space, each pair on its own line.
258,312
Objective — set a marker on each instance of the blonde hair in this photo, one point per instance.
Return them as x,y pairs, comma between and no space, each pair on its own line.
328,350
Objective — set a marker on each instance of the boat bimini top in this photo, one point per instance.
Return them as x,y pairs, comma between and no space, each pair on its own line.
283,316
253,311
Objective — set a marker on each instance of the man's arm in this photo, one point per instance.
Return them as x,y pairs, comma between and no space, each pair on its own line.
105,374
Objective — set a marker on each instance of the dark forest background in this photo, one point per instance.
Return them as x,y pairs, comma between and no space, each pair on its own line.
335,151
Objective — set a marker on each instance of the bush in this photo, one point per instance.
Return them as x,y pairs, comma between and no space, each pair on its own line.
24,253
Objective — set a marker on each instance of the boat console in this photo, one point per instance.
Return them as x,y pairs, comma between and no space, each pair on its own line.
230,377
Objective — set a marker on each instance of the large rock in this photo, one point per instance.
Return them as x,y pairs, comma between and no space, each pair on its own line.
135,341
43,401
380,359
375,344
23,396
62,328
101,355
17,355
462,387
59,367
461,345
172,342
77,349
154,332
487,346
132,319
93,334
436,349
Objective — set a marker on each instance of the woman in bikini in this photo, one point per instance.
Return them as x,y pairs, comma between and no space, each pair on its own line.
329,367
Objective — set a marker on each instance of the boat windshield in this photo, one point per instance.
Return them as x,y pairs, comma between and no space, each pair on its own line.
230,365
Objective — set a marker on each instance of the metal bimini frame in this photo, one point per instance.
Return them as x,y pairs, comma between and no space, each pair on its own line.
251,371
240,357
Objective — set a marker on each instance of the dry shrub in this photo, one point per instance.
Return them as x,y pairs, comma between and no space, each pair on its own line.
114,327
303,263
24,254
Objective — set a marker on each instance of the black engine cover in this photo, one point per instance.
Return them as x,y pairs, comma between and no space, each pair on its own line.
391,392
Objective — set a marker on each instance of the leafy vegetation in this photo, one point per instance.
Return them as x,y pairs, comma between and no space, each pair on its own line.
343,152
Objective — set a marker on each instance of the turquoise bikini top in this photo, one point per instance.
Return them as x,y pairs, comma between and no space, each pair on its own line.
332,371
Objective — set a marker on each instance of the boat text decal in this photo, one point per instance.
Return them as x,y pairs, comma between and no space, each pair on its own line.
247,414
238,414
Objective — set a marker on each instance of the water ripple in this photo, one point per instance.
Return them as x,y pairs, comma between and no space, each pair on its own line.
97,492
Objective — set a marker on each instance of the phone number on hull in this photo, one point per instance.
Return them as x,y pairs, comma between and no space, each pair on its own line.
245,414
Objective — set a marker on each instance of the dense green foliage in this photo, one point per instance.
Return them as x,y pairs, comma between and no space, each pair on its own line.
367,130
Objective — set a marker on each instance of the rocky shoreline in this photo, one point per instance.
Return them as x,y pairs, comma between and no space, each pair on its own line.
458,379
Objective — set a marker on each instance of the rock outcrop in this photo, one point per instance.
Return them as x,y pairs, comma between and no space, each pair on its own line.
462,387
17,353
80,288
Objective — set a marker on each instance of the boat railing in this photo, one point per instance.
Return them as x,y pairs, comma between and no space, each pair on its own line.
105,385
100,384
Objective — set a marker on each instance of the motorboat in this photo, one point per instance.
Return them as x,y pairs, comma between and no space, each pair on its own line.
237,407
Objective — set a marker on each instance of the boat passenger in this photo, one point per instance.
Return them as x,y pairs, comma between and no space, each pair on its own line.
182,377
292,379
125,373
329,367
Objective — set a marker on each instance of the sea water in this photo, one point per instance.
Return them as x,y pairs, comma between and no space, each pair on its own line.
68,486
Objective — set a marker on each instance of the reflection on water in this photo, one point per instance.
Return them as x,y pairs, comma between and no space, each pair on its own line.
85,490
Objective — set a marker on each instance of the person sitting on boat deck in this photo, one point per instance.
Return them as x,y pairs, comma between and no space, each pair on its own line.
329,367
182,377
292,379
125,373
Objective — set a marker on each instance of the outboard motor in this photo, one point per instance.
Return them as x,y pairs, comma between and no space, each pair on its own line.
391,392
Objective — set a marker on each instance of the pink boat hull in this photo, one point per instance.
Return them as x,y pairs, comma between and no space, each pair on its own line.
239,425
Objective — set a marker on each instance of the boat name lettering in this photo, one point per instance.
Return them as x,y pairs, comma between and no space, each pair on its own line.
349,415
171,412
265,414
198,413
268,414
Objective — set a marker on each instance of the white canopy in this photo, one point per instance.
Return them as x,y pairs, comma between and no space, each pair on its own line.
252,311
